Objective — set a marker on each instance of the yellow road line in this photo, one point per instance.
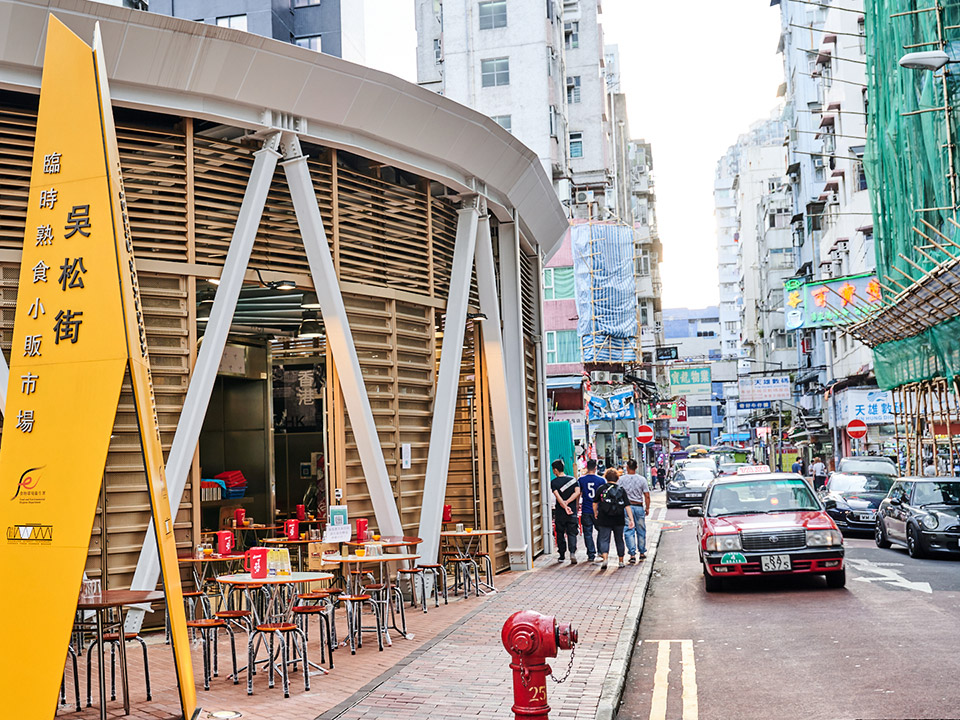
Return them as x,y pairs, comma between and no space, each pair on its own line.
661,680
658,703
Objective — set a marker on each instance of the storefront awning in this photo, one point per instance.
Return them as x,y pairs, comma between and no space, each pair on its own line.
561,382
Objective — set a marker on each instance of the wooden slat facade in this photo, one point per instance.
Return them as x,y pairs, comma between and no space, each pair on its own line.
387,230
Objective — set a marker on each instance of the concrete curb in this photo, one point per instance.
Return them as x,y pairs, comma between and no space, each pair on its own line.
617,674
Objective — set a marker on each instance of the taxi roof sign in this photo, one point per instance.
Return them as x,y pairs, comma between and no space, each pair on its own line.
753,469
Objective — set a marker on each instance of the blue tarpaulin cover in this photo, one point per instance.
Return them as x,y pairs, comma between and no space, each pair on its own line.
606,291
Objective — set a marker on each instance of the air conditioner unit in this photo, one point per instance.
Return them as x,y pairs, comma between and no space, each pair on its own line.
616,377
584,196
818,161
600,376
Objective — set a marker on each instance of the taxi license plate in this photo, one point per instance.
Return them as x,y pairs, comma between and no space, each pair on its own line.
774,563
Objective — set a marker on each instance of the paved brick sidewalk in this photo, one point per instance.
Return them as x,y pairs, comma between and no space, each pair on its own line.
464,672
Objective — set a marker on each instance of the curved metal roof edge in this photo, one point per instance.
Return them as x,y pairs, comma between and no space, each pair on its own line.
155,61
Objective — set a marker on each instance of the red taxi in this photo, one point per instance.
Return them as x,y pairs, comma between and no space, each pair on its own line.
759,522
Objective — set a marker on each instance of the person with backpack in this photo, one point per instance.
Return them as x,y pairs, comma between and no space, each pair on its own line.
566,491
609,511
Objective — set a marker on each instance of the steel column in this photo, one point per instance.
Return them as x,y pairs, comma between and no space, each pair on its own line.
340,339
448,380
511,310
511,488
208,360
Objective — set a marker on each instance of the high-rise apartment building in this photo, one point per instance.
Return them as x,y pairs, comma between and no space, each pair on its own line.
334,27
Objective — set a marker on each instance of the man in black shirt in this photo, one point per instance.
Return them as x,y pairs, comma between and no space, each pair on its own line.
566,491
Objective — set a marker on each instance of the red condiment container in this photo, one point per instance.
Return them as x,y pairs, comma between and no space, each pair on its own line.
224,542
255,562
301,513
361,529
238,515
291,529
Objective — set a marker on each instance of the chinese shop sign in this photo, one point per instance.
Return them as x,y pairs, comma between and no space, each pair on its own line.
826,303
757,389
689,381
78,329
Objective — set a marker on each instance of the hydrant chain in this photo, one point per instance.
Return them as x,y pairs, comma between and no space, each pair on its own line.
566,675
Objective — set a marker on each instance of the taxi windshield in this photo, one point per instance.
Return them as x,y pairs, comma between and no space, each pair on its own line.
761,496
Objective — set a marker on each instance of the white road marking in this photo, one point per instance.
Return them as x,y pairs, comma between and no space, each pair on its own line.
661,514
688,678
886,575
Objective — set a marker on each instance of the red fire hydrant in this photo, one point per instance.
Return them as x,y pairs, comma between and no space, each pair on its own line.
531,638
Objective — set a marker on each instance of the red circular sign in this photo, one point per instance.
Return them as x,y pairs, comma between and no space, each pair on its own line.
857,429
644,434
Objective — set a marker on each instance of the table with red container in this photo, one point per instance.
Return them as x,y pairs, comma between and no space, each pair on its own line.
100,603
466,546
203,565
354,588
299,544
277,608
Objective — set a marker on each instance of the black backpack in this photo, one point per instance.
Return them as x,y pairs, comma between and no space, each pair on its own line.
613,500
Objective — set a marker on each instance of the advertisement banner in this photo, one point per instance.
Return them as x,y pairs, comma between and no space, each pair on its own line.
689,381
663,411
77,295
826,303
757,389
611,402
873,406
682,409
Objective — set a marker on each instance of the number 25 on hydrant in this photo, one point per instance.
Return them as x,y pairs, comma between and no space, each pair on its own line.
531,638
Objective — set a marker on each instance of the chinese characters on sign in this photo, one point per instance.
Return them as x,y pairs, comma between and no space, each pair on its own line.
689,381
755,389
874,407
830,302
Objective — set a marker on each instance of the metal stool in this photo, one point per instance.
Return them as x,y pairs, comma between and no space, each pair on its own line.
302,614
488,566
243,619
414,574
439,573
113,639
205,626
354,608
278,630
76,679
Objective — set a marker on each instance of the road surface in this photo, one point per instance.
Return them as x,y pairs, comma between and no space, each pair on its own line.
884,647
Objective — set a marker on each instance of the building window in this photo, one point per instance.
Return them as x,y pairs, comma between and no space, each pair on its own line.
437,51
573,89
495,71
576,144
783,340
558,283
563,346
699,410
235,22
503,121
311,43
305,3
863,36
493,14
861,177
571,35
643,263
644,315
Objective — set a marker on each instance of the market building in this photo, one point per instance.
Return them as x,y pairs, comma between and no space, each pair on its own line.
383,389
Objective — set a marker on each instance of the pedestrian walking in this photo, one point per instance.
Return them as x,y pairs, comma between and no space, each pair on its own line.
566,491
611,511
819,472
653,477
638,494
797,467
589,484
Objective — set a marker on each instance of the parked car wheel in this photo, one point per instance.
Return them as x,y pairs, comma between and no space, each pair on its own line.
837,579
711,583
880,535
914,547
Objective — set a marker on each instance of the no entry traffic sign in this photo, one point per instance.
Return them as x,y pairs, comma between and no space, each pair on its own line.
644,434
857,429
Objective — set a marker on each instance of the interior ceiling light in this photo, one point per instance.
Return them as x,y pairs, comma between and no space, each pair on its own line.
285,284
310,328
310,301
213,281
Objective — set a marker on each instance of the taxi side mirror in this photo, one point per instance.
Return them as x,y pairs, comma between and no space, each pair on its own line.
695,512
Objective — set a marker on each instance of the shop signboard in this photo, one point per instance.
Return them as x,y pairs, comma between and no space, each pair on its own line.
667,353
758,389
689,380
663,411
298,398
754,405
611,402
872,406
826,303
78,329
682,409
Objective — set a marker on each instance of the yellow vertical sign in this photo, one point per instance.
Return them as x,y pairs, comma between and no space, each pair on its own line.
77,328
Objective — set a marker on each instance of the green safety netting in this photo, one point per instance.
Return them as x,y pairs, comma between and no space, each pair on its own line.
907,168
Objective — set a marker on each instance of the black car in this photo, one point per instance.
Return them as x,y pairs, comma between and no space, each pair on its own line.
688,486
922,514
852,500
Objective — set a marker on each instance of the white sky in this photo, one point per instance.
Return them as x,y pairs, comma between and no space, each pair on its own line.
696,75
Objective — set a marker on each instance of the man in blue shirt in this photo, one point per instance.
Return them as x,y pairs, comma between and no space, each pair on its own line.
589,484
